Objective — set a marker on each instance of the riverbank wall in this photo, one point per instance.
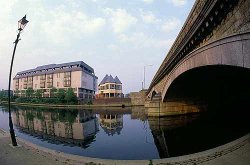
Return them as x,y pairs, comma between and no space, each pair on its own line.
101,105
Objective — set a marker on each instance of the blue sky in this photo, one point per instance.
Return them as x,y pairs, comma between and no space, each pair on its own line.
114,37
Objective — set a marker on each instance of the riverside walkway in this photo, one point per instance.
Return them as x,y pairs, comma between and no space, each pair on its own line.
236,152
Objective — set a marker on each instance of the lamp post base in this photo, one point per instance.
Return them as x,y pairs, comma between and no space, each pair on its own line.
12,133
13,138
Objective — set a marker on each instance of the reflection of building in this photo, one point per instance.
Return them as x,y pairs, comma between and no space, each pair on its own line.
76,75
62,126
111,123
110,87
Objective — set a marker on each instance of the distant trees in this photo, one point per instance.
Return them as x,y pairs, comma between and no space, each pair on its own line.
29,92
60,95
38,93
57,96
4,95
70,96
53,92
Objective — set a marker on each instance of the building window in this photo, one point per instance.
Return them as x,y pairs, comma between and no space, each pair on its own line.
112,86
42,81
43,77
30,82
57,84
67,79
118,87
49,80
17,84
35,85
25,83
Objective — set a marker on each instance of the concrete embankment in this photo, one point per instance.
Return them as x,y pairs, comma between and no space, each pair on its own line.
236,152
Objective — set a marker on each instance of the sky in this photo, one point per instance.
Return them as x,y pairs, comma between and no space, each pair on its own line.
117,37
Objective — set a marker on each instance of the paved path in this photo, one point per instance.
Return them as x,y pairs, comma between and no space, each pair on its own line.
22,155
236,152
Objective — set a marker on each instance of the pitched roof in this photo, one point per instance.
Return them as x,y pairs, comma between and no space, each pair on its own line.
110,79
104,79
81,64
117,80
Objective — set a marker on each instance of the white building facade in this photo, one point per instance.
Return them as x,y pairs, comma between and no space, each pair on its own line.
77,75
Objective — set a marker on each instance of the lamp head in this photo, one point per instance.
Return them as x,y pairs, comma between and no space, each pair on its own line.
22,23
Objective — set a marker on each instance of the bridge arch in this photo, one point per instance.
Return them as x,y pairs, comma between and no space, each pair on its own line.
230,51
154,94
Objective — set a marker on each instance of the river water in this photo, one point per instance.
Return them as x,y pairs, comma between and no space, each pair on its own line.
124,133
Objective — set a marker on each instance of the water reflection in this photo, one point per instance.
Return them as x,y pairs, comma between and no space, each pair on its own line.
70,127
160,125
111,123
127,133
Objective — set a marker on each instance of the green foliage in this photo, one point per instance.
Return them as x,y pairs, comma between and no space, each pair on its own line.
4,95
67,115
22,93
30,116
23,99
29,92
38,93
70,96
53,92
60,95
17,91
40,116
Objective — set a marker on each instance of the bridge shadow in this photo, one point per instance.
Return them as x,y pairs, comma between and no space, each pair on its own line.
221,93
214,86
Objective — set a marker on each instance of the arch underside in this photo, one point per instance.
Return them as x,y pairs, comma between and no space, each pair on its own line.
226,61
211,84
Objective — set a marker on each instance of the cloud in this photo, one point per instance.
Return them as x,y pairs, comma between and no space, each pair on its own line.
140,39
170,25
64,25
178,2
148,1
121,20
113,47
149,17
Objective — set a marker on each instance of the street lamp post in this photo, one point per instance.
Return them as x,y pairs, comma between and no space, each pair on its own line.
144,75
21,24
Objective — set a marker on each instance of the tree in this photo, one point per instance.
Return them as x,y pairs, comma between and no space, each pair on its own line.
38,93
70,96
1,94
29,92
22,93
53,92
60,95
17,92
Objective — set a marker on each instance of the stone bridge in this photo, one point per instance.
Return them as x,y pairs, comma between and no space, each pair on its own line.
211,50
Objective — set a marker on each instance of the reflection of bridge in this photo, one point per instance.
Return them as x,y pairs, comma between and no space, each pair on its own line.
211,52
160,126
